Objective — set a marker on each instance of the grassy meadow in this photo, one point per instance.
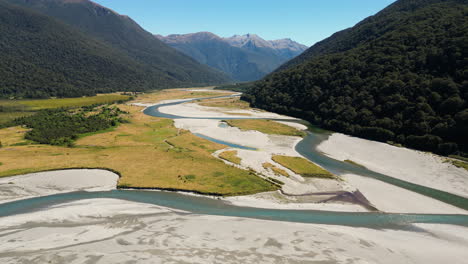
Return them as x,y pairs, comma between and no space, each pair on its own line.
147,152
12,109
276,170
266,126
303,167
231,103
230,156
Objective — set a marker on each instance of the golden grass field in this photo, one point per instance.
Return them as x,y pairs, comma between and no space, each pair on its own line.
276,170
231,156
148,152
266,126
232,103
303,167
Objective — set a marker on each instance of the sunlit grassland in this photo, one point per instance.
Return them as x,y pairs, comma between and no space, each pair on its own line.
266,126
231,156
303,167
276,170
148,152
13,136
233,103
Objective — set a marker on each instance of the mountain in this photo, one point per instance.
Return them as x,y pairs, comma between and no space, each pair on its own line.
244,58
41,57
160,65
285,49
399,76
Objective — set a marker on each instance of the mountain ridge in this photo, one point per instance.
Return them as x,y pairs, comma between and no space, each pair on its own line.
244,58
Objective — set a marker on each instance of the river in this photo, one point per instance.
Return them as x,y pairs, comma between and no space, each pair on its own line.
204,205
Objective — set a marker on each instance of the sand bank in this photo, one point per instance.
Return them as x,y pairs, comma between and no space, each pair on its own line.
116,231
196,110
410,165
54,182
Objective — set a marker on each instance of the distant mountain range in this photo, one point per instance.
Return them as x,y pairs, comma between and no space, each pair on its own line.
399,76
77,47
244,58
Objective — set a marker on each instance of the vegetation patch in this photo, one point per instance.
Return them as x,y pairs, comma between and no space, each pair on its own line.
354,163
173,94
231,156
74,102
275,169
266,126
303,167
13,136
460,164
231,103
62,127
275,181
13,109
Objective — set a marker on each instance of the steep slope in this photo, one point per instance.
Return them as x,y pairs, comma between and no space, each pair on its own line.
367,30
398,76
244,58
127,36
42,57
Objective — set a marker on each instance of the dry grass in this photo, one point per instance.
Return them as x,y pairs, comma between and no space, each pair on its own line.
460,164
169,94
303,167
234,103
230,156
148,152
354,163
276,170
266,126
13,136
73,102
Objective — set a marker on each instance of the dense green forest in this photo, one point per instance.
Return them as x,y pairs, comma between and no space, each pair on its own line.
400,76
63,126
41,56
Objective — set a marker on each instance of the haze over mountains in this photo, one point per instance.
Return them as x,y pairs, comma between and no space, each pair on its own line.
77,47
399,76
244,58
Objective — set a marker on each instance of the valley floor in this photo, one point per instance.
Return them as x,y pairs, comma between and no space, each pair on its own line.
117,231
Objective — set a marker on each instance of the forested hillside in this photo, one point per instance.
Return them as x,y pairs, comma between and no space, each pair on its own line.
43,57
400,76
124,34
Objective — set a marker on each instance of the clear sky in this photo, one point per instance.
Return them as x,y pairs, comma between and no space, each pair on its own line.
305,21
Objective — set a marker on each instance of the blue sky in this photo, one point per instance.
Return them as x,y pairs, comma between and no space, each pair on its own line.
305,21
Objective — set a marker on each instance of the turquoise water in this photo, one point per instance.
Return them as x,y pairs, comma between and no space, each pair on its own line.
203,205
